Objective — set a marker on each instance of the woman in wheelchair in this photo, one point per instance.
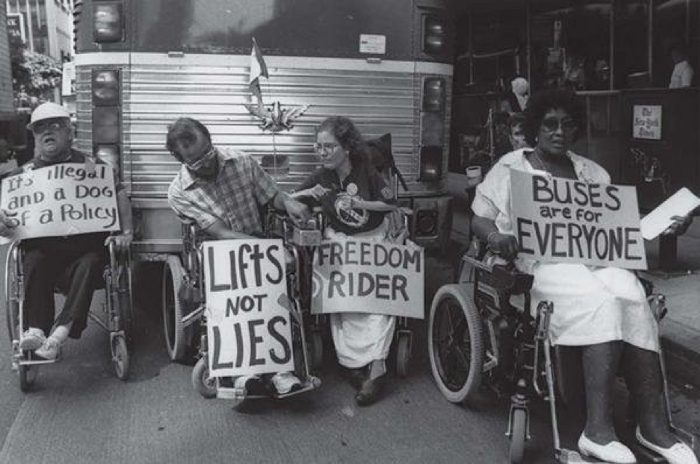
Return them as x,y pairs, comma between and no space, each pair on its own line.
599,309
358,202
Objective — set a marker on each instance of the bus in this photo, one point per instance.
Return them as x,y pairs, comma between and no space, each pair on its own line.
141,64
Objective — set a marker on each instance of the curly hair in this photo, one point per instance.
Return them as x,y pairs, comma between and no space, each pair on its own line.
542,102
348,136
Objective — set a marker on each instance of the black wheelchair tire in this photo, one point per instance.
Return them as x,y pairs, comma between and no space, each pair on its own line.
201,381
120,357
517,439
315,352
173,328
457,296
403,354
27,377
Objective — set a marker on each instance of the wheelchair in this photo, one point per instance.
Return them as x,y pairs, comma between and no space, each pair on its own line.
115,316
481,331
297,241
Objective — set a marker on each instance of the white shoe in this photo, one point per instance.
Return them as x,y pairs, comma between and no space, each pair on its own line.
32,339
679,453
285,382
614,452
49,349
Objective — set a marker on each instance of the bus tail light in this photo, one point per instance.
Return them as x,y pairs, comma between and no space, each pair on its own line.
105,125
110,155
434,35
105,87
108,20
432,129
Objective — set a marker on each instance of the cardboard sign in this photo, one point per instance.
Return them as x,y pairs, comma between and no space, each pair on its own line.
60,200
248,319
562,220
646,122
361,276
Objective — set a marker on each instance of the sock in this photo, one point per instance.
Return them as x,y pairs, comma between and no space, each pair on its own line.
377,369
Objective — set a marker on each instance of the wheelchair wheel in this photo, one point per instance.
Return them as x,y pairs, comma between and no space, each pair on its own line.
175,337
126,304
403,354
315,343
455,342
27,377
120,357
205,385
517,439
11,304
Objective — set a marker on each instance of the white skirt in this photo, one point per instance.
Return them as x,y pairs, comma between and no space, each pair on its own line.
595,305
361,338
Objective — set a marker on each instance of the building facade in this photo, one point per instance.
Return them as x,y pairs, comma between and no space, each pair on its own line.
46,25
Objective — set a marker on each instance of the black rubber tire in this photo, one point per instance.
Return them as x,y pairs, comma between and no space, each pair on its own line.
27,377
456,300
517,439
174,330
403,354
315,349
121,360
201,381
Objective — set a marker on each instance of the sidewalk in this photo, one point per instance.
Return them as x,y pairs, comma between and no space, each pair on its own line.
680,329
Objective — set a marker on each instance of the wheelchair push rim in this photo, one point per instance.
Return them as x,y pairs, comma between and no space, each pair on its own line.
455,342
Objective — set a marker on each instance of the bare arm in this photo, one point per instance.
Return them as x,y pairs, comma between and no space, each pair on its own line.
220,231
504,244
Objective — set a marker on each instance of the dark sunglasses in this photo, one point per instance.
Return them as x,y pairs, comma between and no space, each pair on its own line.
552,124
42,126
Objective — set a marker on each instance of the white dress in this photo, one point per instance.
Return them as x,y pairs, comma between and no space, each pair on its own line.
361,338
591,304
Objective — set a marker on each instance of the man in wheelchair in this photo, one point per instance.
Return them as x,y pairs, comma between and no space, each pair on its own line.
73,263
601,310
222,192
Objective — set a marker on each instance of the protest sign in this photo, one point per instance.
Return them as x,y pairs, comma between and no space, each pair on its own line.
248,323
355,275
562,220
60,200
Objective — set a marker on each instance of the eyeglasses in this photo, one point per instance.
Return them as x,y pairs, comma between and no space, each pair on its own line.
325,147
198,163
40,127
552,124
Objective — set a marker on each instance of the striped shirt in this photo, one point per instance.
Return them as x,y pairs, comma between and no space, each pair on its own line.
235,197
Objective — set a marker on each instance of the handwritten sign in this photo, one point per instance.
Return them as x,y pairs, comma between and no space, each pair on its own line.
248,319
646,123
354,275
563,220
59,200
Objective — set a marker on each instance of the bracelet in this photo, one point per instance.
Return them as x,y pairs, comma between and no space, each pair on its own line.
488,237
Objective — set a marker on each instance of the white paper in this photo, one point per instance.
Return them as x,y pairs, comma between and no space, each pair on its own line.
679,204
375,44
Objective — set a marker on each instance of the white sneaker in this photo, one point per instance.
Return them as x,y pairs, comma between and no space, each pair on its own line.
32,339
285,382
49,349
614,452
679,453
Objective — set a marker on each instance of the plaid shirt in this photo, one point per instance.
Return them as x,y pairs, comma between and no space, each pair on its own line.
240,189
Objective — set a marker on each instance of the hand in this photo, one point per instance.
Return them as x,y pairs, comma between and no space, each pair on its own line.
122,241
297,211
679,226
503,244
8,223
318,191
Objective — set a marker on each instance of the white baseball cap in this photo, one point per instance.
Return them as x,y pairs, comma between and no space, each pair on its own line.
47,110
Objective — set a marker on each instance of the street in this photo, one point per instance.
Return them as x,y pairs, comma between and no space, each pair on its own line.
79,412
